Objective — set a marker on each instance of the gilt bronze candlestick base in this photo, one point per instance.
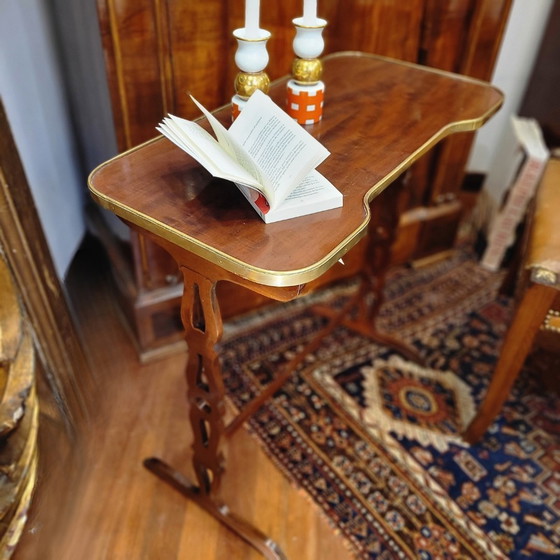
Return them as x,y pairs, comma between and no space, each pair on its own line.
251,58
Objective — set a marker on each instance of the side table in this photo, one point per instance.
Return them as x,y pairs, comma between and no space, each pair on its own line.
380,116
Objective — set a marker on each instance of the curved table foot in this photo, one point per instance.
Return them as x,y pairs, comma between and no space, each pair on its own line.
267,547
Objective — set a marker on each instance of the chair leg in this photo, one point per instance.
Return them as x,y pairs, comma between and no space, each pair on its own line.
527,320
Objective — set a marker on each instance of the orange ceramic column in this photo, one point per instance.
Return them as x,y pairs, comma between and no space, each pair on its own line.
305,91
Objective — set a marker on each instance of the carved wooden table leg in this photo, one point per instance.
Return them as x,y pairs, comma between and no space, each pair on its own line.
205,390
361,314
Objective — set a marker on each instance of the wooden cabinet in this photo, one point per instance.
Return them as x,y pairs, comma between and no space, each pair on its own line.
156,51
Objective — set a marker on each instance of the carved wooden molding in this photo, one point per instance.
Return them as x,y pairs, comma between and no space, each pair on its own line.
19,415
24,245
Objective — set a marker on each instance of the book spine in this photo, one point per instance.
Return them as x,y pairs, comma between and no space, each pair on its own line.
502,234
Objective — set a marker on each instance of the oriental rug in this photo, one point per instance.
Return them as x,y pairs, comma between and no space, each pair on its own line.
375,440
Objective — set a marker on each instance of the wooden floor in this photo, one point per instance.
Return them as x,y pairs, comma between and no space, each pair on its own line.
96,501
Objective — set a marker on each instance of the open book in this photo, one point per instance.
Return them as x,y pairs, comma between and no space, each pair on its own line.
270,158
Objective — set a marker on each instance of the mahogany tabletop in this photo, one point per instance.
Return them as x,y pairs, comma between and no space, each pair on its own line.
380,116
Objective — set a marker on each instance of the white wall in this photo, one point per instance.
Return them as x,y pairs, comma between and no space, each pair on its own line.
53,88
34,99
519,49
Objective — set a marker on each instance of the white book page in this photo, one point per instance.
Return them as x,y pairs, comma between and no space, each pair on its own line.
173,132
200,145
235,150
283,150
530,136
312,186
219,130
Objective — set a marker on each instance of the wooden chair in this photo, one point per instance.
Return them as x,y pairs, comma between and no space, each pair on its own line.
538,304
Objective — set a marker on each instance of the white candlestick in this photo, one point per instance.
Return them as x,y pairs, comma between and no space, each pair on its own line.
252,18
309,12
